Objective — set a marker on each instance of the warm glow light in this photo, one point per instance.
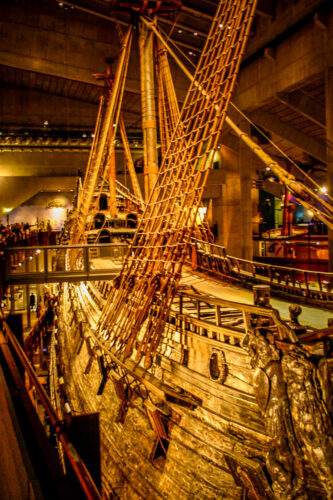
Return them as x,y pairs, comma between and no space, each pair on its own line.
6,210
310,213
323,189
201,214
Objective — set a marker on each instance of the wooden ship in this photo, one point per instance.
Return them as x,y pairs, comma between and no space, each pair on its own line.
198,397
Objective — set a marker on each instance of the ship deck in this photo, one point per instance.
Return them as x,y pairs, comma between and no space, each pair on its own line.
314,317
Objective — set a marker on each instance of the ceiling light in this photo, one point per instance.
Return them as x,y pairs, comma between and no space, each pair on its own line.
323,189
60,4
84,135
195,33
46,122
6,210
220,25
92,135
114,125
180,31
268,168
190,53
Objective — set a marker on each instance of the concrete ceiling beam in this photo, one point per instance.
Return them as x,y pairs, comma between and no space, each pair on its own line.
49,47
299,58
273,124
305,105
266,8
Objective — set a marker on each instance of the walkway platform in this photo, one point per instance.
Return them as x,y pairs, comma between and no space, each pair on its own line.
315,317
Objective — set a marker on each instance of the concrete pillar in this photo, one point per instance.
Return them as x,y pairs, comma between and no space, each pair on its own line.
329,142
229,221
27,300
148,109
12,298
245,159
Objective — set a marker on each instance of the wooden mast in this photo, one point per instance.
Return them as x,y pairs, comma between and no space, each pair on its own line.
135,312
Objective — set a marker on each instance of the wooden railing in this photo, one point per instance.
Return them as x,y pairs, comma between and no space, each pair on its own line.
307,285
9,343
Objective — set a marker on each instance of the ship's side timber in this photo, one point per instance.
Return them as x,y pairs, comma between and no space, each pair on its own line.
227,423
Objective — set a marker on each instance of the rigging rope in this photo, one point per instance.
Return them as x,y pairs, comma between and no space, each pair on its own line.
101,154
136,310
307,196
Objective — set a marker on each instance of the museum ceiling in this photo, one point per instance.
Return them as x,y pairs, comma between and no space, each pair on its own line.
51,50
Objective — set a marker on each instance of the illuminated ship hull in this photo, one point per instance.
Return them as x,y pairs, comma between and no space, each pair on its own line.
203,421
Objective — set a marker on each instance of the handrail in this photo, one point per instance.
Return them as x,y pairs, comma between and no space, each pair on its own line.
269,312
252,262
306,284
39,264
76,462
65,247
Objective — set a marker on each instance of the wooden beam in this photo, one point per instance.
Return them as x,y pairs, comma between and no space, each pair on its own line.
305,105
307,143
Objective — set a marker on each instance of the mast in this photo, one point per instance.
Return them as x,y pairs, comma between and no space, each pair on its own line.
134,315
148,108
308,197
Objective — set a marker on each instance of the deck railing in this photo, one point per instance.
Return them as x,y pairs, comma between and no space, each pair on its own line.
305,284
9,343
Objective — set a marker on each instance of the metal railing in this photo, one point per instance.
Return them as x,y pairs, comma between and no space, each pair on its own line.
52,263
304,284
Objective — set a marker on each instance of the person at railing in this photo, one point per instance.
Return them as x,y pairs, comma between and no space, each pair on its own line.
39,308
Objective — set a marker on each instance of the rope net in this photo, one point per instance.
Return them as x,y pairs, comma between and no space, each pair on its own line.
167,99
134,315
